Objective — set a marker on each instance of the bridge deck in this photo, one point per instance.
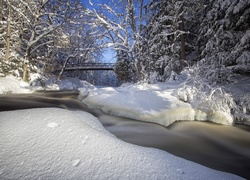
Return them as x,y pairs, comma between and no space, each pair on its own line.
89,66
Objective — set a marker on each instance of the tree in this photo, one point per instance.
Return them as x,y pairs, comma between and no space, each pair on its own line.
9,37
224,39
121,25
7,54
82,42
1,10
164,38
28,25
123,68
44,18
39,34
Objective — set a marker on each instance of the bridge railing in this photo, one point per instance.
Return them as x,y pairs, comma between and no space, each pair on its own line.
88,66
111,65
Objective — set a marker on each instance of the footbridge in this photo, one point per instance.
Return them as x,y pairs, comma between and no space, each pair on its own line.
90,66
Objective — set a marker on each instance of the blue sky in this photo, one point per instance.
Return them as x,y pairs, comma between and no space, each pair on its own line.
109,56
86,2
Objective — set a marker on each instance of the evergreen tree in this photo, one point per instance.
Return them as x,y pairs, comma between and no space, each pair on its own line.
224,40
163,35
124,68
10,34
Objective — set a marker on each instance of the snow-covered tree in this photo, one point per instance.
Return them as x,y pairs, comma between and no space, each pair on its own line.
121,24
222,51
10,38
45,35
28,25
76,42
164,43
44,18
224,40
124,69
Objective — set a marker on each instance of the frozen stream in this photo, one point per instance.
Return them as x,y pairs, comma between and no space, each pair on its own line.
224,148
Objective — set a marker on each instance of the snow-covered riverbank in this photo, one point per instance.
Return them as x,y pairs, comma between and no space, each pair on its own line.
156,103
51,143
54,143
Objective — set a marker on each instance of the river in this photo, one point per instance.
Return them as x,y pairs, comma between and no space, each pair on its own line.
225,148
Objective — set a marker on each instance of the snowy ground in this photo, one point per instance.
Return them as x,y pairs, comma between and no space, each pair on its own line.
162,103
74,145
165,103
62,144
10,84
156,103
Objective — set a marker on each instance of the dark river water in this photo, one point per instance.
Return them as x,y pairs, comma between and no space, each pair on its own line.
225,148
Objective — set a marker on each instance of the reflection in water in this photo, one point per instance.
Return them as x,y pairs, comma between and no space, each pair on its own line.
219,147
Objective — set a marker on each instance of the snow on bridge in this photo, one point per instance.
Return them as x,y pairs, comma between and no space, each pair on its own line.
90,66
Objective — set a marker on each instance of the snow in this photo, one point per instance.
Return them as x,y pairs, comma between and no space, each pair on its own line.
10,85
141,102
245,39
39,82
241,4
160,103
52,143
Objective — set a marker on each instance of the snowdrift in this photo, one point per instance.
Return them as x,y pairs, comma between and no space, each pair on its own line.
158,103
53,143
10,84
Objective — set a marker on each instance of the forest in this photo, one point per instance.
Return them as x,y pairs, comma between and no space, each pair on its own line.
174,105
152,39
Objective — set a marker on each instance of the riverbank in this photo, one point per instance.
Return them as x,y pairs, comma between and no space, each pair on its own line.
220,147
224,148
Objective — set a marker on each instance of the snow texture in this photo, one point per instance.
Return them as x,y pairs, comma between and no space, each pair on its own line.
39,82
52,143
158,103
10,85
162,103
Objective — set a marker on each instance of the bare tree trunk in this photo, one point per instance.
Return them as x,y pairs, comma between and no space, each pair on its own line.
1,10
141,70
141,14
8,35
20,37
183,52
25,66
64,65
25,69
136,51
132,17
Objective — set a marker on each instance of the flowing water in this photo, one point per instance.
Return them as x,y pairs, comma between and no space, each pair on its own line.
225,148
